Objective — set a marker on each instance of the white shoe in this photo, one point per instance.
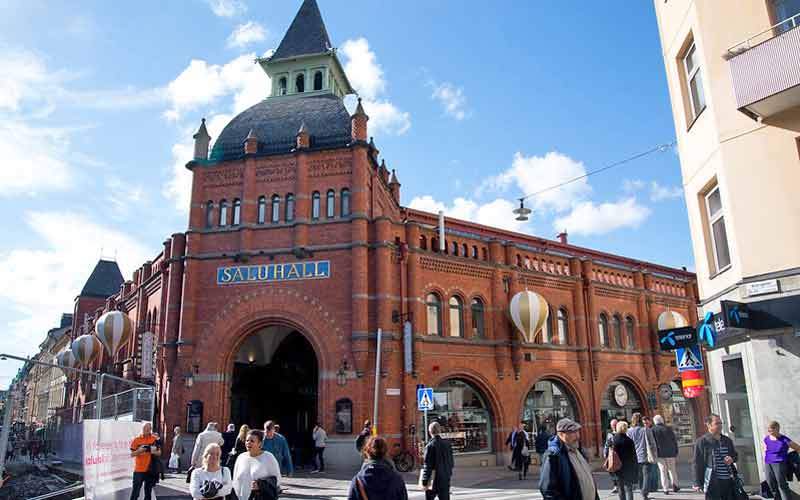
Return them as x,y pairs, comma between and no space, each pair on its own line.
315,471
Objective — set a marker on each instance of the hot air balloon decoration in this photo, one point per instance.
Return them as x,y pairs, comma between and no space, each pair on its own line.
86,349
114,328
693,383
67,359
668,320
529,312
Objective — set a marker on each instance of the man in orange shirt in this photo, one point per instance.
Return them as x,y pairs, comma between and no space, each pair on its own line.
143,450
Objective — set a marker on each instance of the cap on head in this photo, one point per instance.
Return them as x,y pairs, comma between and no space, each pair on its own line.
567,425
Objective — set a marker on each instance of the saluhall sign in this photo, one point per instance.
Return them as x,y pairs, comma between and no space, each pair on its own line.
314,270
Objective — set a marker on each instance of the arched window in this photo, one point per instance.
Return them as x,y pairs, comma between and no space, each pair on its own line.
474,251
282,86
300,83
318,80
616,327
461,409
563,327
527,262
456,317
289,217
210,214
433,305
630,332
276,208
237,212
345,211
454,247
602,329
330,204
547,403
262,209
315,205
423,242
478,329
519,260
435,244
547,332
464,250
223,213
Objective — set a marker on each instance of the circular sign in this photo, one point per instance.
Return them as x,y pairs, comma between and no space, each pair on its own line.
621,395
665,392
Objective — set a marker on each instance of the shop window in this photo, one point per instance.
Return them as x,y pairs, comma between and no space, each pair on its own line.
330,204
602,329
477,310
289,216
694,82
465,417
237,212
344,417
318,80
563,327
345,199
620,400
547,403
276,209
315,200
456,317
423,242
616,327
433,305
454,247
223,213
262,209
715,225
630,332
733,373
210,214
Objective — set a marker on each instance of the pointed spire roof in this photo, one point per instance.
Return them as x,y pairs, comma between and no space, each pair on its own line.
306,35
202,131
104,281
360,111
303,128
394,178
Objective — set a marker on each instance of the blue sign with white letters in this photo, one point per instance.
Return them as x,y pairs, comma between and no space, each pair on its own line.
425,399
293,271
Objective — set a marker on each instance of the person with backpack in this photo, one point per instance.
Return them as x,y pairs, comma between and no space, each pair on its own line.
621,461
377,479
212,480
363,435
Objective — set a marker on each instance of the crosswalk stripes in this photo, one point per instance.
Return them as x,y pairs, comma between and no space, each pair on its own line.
483,494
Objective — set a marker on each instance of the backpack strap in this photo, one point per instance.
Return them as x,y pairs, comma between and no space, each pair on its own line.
361,489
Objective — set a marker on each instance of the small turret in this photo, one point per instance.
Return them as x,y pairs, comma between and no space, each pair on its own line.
384,172
359,123
251,143
303,137
394,185
201,142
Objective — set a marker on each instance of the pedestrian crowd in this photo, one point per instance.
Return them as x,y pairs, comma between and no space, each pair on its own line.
639,455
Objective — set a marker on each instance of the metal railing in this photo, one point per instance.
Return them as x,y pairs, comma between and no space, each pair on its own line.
768,34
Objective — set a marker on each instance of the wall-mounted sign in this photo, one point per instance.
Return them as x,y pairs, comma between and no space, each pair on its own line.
665,392
761,287
231,275
736,314
671,339
689,359
392,391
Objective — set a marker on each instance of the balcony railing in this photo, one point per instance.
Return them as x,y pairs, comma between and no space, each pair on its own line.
765,70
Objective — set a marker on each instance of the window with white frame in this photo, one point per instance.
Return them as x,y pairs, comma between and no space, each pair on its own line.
694,81
717,230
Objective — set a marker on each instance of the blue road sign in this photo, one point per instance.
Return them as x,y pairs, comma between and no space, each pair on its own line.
689,358
425,399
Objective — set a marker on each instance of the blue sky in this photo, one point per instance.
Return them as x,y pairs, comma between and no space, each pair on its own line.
473,103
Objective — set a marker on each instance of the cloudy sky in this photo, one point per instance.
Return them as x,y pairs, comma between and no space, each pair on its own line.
473,103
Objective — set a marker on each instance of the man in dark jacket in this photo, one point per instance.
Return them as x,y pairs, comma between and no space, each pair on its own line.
565,473
229,441
714,456
438,462
666,451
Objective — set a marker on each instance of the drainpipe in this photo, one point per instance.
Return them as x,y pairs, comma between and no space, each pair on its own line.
592,395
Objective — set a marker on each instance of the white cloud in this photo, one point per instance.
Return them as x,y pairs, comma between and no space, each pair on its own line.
42,282
227,8
661,193
366,77
33,159
452,98
496,213
589,219
531,174
247,33
633,185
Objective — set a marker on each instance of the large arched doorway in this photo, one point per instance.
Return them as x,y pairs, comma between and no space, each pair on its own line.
548,402
276,377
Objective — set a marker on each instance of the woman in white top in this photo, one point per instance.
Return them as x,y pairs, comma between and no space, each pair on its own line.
254,465
211,476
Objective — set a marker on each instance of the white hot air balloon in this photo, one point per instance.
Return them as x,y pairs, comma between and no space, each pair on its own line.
114,328
668,320
67,359
86,349
529,312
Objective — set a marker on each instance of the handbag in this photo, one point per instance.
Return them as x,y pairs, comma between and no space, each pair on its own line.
739,493
189,474
429,487
612,462
361,489
526,452
174,461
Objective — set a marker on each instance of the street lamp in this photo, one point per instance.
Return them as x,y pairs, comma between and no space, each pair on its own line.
341,373
522,212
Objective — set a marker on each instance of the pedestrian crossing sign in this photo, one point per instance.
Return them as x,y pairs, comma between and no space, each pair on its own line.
689,358
425,398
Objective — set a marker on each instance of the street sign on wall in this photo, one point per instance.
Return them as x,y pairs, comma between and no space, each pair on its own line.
671,339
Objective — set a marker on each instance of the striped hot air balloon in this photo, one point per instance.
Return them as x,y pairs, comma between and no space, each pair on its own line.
86,349
668,320
114,328
67,359
528,312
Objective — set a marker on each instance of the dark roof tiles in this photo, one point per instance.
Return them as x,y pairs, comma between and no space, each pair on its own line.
306,35
104,281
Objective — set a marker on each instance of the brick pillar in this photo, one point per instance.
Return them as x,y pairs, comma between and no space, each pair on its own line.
302,200
414,294
580,336
360,265
249,203
643,325
651,339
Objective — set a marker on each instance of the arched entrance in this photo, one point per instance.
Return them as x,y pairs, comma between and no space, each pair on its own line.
620,401
465,416
276,377
547,402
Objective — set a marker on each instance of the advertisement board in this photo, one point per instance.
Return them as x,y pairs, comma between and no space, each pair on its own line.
107,462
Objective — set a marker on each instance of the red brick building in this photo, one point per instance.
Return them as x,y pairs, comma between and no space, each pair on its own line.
298,251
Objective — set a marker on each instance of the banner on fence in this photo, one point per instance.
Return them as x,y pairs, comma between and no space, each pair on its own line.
107,462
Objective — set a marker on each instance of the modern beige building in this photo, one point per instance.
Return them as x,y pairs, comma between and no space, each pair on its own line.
733,70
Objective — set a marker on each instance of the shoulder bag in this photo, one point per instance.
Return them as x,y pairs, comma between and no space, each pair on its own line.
612,463
361,489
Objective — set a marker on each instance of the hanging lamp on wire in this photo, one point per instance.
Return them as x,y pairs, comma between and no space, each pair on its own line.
522,212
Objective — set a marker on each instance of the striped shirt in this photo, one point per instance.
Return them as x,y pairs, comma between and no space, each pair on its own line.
721,469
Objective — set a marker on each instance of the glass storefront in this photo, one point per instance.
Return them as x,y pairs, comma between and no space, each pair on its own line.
464,416
679,414
548,402
620,401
